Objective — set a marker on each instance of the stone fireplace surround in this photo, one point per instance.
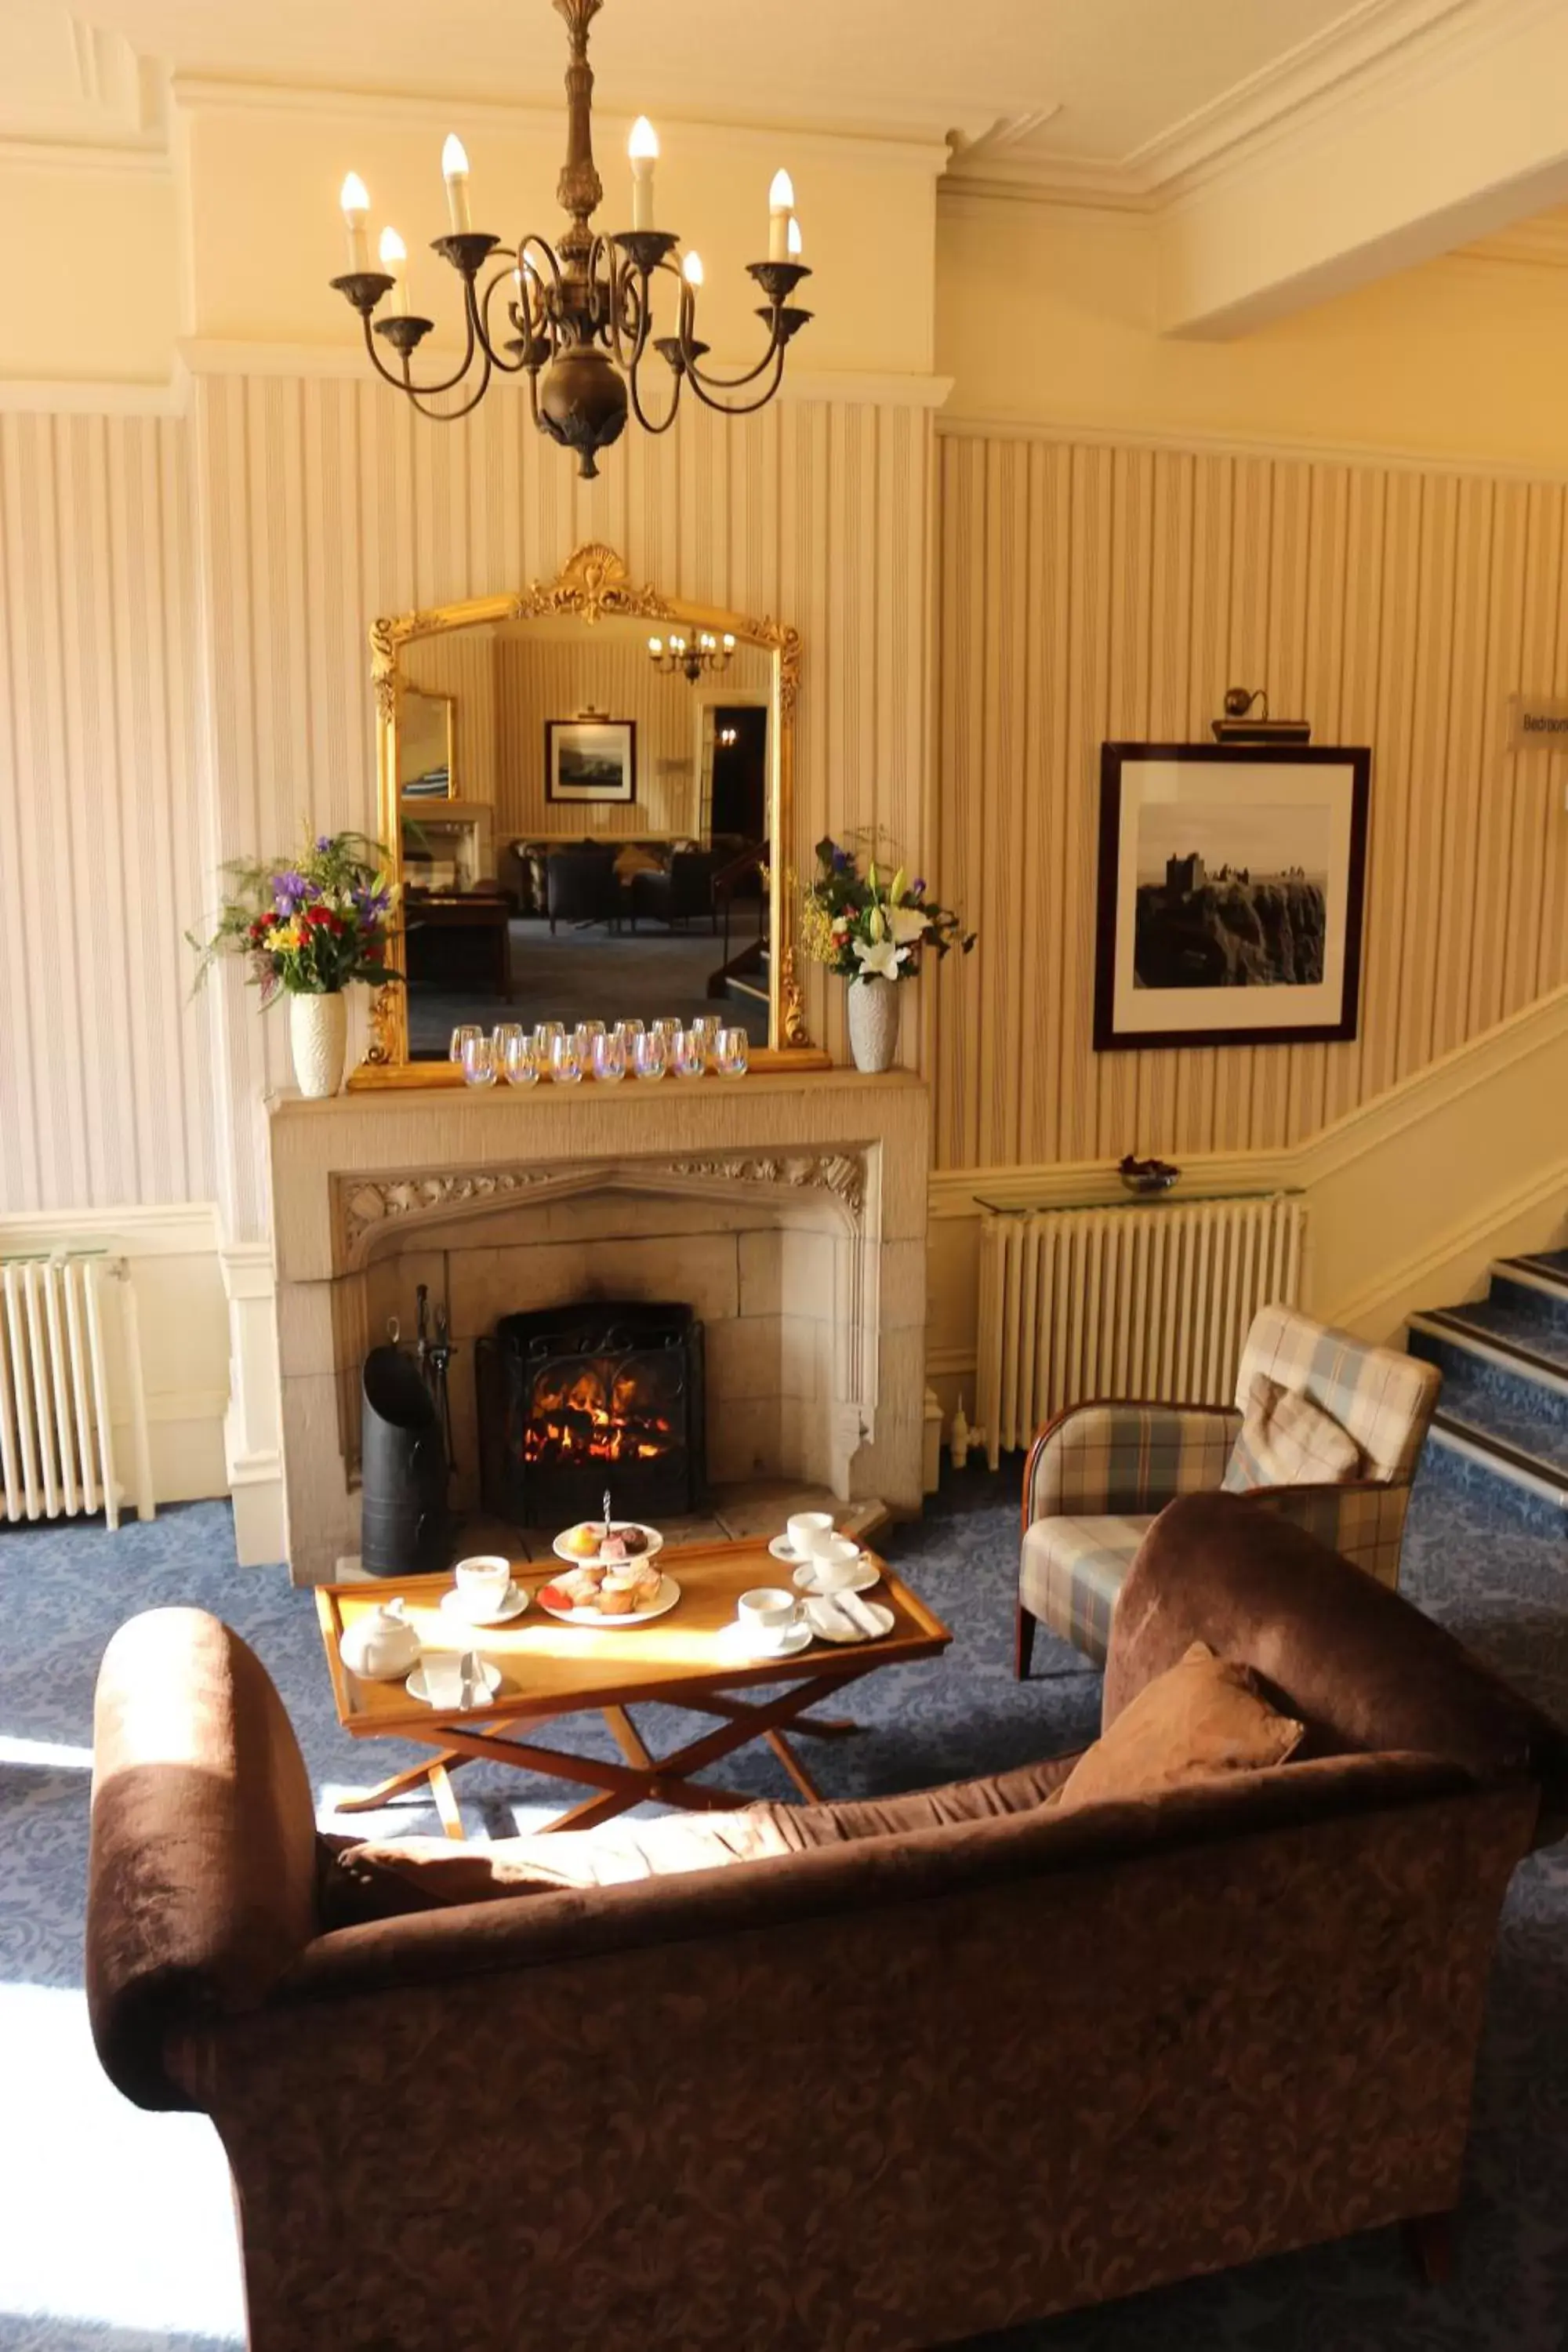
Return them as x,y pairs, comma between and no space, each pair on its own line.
790,1211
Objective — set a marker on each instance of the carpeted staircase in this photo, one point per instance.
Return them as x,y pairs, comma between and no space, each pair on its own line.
1501,1427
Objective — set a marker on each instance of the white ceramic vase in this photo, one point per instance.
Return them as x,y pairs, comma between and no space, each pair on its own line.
873,1023
319,1033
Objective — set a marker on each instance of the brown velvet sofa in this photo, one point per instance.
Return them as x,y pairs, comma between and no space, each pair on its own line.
960,2060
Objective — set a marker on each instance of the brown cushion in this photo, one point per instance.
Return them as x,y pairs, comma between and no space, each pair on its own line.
360,1882
1285,1440
1202,1716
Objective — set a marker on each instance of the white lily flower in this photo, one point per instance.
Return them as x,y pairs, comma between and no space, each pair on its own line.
880,961
909,925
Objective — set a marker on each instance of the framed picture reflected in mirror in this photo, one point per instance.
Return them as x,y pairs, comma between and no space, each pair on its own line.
589,759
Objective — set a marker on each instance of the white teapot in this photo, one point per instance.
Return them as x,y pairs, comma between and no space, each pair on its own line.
382,1645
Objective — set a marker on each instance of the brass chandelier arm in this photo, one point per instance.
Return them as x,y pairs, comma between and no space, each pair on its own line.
744,408
649,424
506,366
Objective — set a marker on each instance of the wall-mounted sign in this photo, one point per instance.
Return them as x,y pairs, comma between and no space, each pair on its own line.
1537,722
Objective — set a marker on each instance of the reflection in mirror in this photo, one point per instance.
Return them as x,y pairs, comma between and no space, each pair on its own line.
604,854
425,750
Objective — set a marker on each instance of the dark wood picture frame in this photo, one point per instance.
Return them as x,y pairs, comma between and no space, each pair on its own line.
1114,758
581,794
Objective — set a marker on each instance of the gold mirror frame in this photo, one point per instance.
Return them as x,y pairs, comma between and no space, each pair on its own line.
594,584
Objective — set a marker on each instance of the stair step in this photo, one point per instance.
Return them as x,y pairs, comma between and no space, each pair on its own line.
1475,1333
1534,1488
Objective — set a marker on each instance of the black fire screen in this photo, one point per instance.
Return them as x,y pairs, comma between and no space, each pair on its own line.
575,1399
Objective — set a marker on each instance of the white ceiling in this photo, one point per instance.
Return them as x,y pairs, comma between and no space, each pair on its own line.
1091,82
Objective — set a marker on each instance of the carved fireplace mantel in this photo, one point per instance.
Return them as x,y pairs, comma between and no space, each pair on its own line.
790,1210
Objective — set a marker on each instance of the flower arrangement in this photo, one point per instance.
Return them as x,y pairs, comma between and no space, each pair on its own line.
307,928
864,927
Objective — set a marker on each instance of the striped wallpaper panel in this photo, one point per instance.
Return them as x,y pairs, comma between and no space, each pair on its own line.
1087,593
104,1059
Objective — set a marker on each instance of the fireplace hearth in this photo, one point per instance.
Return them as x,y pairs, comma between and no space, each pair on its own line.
574,1400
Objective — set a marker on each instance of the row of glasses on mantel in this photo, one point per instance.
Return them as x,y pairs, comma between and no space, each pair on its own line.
595,1049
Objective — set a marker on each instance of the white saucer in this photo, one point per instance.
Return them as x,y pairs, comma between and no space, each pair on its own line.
415,1685
864,1577
883,1615
731,1638
514,1604
782,1549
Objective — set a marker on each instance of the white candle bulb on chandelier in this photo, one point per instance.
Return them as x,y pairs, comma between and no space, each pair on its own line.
643,149
355,201
781,204
455,172
691,270
794,238
394,261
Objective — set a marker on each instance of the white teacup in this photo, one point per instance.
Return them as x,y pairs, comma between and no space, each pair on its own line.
767,1614
834,1563
483,1582
807,1531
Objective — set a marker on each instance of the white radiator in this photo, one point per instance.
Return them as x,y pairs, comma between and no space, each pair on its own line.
70,1368
1152,1303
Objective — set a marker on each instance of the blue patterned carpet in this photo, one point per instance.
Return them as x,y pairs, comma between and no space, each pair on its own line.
115,2228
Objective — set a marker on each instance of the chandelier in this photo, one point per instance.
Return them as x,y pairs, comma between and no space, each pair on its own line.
577,317
704,656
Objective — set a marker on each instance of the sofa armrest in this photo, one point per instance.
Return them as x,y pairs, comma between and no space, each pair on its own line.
1364,1669
1096,1458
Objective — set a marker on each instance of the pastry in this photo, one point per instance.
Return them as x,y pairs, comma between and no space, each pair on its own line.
584,1541
616,1601
634,1538
614,1548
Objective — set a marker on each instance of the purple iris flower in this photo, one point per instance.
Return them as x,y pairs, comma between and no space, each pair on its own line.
290,892
323,841
917,889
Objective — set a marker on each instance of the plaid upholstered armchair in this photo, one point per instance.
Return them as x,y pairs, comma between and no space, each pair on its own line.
1099,1474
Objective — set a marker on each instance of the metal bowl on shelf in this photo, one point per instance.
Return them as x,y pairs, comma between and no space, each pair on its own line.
1147,1177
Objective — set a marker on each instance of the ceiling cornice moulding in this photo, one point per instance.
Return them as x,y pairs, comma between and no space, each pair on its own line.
81,156
900,148
1359,59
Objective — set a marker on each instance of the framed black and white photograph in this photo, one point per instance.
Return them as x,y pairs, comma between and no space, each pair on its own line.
1230,894
590,760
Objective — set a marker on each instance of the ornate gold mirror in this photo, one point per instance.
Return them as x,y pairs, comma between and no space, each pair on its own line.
614,829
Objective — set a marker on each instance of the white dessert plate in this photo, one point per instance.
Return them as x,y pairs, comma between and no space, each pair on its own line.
832,1628
669,1594
415,1688
782,1549
737,1641
618,1526
864,1577
514,1604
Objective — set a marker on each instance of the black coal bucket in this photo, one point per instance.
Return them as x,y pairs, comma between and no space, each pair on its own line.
403,1470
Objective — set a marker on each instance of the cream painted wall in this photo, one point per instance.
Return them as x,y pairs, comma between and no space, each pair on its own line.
1048,313
90,272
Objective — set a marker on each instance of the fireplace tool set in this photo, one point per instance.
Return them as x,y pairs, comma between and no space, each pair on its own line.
406,1456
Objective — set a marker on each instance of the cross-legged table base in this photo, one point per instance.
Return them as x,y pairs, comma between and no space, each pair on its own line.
643,1775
